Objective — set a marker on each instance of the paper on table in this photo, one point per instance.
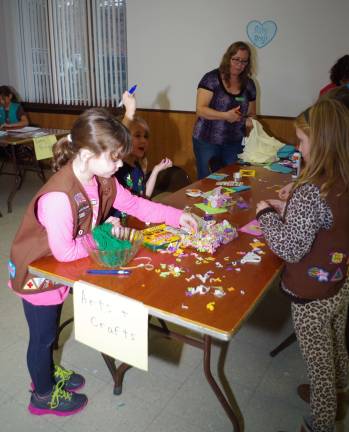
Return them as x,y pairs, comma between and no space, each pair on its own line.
111,323
210,210
252,228
238,188
279,168
217,176
25,129
43,146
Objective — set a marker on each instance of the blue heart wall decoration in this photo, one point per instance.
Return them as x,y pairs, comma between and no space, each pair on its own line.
260,34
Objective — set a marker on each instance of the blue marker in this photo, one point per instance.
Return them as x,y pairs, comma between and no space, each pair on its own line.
131,91
108,272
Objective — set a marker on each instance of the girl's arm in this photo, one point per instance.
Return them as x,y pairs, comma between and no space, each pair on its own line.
55,214
251,113
164,164
203,99
144,209
21,123
306,213
129,102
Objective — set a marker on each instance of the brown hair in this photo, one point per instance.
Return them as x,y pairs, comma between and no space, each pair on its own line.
224,67
96,130
340,70
7,91
327,126
341,94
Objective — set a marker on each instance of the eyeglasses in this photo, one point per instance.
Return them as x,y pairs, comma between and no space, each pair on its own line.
237,60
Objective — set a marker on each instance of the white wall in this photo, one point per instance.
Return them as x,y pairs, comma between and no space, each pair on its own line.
171,44
4,70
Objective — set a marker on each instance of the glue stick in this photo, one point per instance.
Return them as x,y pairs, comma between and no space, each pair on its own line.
296,164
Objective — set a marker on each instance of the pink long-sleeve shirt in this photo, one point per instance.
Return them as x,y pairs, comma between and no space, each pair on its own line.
55,214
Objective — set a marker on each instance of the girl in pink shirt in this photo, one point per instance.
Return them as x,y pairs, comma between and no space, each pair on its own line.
83,162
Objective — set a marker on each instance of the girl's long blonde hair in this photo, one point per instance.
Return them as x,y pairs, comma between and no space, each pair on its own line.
327,125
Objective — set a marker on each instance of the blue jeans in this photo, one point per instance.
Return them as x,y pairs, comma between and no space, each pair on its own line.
43,322
212,157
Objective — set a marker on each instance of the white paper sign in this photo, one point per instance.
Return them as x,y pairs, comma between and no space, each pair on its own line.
111,323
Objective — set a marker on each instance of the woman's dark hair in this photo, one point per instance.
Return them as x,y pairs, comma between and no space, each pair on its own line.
340,70
341,94
96,130
224,67
7,91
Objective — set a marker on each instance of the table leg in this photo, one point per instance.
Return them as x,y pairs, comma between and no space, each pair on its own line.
17,179
59,331
117,373
228,408
284,344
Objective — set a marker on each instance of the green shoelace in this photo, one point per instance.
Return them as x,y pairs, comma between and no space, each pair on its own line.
62,374
58,394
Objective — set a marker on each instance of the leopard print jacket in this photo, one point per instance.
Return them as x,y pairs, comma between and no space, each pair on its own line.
291,235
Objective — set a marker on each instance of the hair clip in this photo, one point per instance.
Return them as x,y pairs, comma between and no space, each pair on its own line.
69,138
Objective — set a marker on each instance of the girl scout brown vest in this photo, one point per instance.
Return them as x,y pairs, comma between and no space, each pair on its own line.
31,242
321,273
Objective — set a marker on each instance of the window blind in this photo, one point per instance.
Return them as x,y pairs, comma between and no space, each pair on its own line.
71,51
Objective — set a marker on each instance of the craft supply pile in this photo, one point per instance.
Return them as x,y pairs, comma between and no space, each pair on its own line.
216,276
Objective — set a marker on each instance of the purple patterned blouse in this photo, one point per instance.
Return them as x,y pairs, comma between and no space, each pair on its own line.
221,131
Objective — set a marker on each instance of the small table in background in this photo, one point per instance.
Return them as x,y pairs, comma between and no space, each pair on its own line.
19,153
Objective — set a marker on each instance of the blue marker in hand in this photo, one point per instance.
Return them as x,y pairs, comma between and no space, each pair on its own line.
131,91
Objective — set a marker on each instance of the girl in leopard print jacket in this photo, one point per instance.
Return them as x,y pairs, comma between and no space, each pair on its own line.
310,232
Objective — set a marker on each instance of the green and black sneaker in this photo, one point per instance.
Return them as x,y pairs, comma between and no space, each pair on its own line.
59,402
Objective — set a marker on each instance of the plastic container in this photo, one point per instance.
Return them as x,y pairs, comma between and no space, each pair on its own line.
296,164
119,257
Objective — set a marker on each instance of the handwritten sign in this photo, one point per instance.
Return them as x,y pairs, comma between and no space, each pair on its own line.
111,323
260,34
43,146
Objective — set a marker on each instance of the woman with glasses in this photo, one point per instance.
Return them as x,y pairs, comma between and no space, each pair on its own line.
225,103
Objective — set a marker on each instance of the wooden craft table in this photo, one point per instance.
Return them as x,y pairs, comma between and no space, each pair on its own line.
166,298
20,149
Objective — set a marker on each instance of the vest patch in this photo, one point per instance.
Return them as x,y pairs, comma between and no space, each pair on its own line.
38,283
337,257
11,269
30,285
79,198
338,275
318,274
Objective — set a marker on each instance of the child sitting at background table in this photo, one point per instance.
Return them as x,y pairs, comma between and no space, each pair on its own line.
310,232
58,220
12,115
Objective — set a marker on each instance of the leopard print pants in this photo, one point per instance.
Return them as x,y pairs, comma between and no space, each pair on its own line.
320,330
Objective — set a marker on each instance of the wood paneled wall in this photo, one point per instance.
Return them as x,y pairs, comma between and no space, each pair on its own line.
171,133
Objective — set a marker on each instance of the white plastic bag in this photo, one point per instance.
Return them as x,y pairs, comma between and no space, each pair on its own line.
259,146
